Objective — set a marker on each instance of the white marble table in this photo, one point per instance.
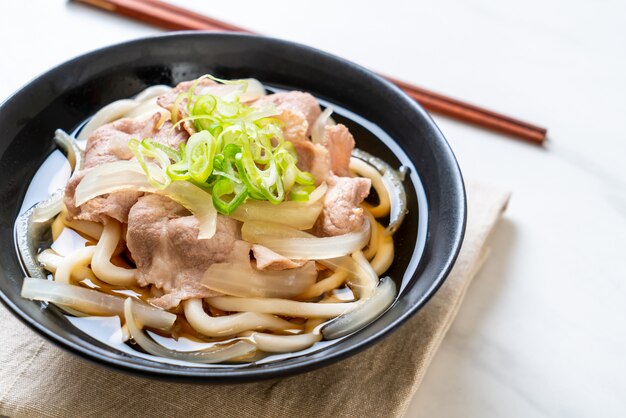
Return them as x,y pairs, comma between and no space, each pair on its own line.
542,330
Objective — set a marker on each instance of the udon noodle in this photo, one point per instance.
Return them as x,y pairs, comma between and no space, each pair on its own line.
293,272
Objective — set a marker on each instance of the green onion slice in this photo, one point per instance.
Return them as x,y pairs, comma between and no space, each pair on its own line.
237,153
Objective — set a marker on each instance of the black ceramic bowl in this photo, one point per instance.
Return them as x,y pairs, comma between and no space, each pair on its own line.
426,244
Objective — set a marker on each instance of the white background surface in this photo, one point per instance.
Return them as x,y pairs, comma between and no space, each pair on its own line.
542,331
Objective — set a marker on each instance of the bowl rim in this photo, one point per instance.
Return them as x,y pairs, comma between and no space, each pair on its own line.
100,357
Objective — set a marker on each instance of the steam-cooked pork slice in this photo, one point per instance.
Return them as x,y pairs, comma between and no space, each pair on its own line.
295,126
319,159
114,205
298,111
341,213
171,137
163,240
106,144
339,143
109,143
296,102
167,100
313,158
267,259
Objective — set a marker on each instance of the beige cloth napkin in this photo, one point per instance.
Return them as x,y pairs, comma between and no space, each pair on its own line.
39,379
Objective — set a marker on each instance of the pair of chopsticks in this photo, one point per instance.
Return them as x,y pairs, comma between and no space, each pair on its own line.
168,16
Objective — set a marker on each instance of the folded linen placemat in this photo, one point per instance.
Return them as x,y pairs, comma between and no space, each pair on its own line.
39,379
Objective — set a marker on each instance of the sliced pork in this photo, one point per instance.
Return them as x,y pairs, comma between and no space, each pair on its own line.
106,144
167,100
294,101
339,142
114,205
109,143
313,158
163,240
267,259
298,112
333,155
341,213
171,137
295,126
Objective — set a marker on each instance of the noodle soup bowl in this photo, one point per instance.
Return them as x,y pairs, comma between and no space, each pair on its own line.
384,121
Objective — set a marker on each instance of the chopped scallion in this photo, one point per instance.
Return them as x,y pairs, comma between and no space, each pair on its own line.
237,153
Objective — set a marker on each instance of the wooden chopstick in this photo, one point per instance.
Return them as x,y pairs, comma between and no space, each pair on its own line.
476,115
168,16
197,16
153,14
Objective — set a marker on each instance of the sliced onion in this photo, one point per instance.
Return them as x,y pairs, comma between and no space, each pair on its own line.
254,90
52,206
198,202
294,214
47,209
392,181
224,91
240,279
362,275
220,326
363,313
345,263
217,354
317,131
128,175
245,90
398,203
93,302
74,153
280,306
111,177
152,92
318,193
148,109
271,343
295,245
366,280
50,261
108,113
119,109
298,215
27,235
